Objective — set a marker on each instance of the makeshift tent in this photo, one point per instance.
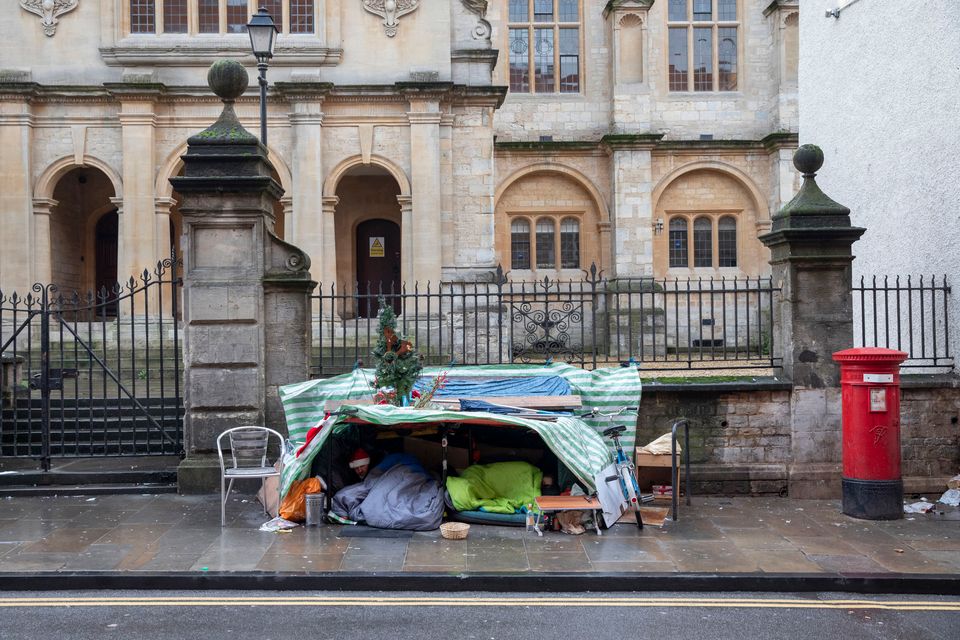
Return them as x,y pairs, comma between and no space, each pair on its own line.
576,444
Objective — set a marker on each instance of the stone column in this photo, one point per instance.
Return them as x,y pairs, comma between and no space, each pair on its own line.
631,211
328,259
306,227
406,233
810,244
137,241
162,208
246,310
424,117
16,241
286,204
42,250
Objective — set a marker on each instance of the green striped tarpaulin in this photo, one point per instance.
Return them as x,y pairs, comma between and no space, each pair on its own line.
607,390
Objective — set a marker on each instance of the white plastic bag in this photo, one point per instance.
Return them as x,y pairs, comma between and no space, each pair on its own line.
918,507
278,524
951,497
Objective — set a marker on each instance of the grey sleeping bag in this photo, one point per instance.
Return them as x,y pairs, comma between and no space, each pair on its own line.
403,496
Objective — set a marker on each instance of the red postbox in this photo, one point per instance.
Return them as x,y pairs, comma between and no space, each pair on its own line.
870,385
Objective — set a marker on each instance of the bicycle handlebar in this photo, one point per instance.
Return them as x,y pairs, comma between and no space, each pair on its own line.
597,413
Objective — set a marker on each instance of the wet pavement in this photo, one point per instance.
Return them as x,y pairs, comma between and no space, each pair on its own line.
156,534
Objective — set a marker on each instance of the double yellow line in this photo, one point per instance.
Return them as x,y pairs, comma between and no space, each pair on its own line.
586,600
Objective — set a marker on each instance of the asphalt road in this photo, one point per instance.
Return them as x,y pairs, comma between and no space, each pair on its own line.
290,615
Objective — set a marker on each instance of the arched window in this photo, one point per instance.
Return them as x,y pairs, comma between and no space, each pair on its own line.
727,241
702,242
520,244
678,242
546,252
569,244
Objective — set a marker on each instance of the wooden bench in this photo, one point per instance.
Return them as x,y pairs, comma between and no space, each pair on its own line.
552,504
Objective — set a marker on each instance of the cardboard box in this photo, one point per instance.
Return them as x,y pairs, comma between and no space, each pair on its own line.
654,470
652,460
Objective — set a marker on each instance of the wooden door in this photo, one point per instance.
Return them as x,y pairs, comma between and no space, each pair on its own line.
378,265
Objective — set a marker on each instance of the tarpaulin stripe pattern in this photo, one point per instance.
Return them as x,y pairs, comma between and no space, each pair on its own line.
608,390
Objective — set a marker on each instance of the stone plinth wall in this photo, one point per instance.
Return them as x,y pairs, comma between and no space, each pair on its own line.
929,433
739,433
740,439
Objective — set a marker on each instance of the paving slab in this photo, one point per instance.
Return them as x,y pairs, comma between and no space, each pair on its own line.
753,541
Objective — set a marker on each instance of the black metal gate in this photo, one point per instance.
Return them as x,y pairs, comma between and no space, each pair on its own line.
95,375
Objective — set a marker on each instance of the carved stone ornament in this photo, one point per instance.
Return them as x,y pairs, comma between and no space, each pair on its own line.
483,29
391,11
49,11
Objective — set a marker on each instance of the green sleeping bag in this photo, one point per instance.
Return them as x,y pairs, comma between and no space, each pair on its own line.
501,487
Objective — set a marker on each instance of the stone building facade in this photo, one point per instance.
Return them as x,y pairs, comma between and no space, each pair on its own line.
424,140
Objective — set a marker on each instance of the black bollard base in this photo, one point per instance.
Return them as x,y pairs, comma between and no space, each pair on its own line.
873,499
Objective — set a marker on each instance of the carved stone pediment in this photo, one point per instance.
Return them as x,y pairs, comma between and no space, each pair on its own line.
49,11
391,11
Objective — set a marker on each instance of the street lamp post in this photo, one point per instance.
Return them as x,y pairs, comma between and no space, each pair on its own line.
263,33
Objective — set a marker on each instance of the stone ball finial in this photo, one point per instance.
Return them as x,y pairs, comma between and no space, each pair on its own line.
228,79
808,159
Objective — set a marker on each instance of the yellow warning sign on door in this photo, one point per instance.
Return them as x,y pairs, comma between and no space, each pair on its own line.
376,247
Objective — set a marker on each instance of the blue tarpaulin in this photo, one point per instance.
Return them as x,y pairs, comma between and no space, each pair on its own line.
497,387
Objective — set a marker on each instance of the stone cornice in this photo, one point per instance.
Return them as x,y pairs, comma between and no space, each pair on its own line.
294,91
424,90
781,5
552,148
145,91
781,140
423,117
650,141
156,51
617,141
305,118
489,56
133,119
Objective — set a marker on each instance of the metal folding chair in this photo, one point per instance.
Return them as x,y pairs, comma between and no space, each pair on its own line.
248,453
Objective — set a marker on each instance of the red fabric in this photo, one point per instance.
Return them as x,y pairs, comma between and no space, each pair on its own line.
311,434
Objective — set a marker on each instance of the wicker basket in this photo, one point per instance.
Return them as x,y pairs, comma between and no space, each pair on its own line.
454,530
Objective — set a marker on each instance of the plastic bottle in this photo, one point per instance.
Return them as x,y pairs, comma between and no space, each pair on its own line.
530,526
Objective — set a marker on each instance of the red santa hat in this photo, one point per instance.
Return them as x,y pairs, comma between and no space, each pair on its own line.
360,458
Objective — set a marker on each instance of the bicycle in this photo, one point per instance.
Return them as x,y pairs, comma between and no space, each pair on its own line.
626,469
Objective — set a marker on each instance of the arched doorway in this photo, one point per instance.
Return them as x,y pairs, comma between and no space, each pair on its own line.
368,236
83,232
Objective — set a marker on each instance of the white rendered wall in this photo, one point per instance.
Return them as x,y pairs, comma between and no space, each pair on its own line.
880,94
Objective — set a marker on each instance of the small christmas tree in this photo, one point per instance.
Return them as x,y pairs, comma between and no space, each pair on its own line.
398,364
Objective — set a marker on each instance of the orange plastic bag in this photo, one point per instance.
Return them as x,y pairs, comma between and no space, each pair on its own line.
294,505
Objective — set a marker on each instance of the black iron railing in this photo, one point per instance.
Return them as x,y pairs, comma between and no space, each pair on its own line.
721,323
93,375
905,313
